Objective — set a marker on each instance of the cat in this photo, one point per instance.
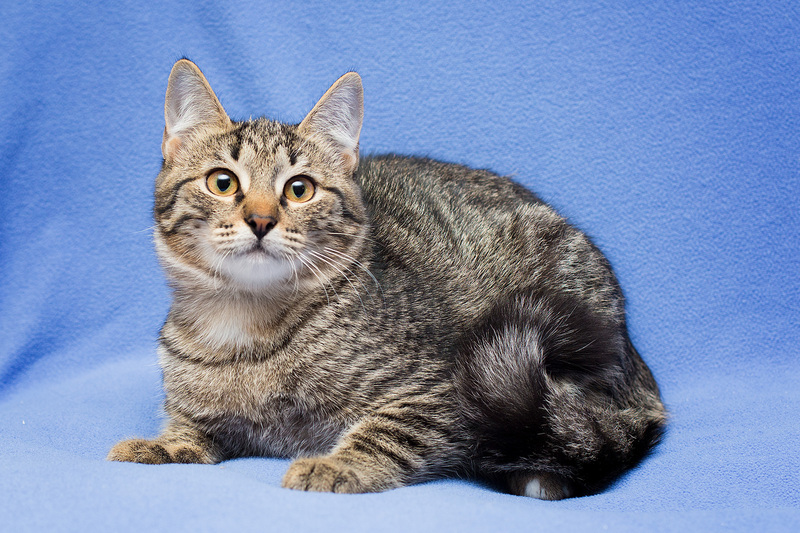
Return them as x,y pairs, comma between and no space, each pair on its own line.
382,320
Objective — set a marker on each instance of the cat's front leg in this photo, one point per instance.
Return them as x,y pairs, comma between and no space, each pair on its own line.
179,443
399,445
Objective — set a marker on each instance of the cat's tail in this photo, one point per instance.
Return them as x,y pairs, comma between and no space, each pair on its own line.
557,399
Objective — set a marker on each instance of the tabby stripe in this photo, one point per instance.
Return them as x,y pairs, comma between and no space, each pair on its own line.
288,337
345,211
369,447
173,196
181,220
400,436
183,356
416,420
236,146
172,345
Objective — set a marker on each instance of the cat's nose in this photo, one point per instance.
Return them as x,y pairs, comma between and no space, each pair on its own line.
260,224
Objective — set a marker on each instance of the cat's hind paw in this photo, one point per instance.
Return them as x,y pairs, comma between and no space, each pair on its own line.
542,486
323,474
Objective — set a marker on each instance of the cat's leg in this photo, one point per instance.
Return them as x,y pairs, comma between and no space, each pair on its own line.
402,443
180,442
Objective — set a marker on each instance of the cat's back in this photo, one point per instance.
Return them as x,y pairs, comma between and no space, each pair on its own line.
422,209
472,237
396,185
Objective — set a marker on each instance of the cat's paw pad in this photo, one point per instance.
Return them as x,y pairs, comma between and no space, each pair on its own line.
140,451
322,474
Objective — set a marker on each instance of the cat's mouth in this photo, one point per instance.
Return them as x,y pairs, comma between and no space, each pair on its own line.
256,251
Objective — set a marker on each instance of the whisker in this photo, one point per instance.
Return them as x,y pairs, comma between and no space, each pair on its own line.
216,273
286,256
362,267
179,259
338,296
323,258
311,267
148,230
343,265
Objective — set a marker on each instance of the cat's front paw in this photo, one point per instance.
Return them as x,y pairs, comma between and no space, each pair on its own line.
323,474
139,451
154,453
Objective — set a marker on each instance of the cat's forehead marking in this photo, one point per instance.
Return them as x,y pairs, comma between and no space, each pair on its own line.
289,156
236,142
246,153
262,153
288,163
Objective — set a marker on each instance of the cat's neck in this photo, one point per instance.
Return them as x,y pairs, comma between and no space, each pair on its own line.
230,318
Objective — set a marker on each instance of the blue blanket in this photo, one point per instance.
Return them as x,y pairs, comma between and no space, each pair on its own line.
670,132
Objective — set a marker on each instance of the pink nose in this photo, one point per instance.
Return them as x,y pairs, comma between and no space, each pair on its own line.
260,224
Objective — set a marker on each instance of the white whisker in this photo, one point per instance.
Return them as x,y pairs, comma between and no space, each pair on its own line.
344,265
216,273
327,261
311,267
148,230
338,296
286,256
356,262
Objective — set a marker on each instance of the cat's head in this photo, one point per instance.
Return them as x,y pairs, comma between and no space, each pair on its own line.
257,205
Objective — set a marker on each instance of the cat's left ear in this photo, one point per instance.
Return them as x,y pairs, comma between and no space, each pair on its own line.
337,117
190,106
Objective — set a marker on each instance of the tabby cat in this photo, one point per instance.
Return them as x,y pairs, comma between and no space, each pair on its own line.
383,320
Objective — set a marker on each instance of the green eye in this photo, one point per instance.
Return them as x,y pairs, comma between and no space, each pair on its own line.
299,189
222,182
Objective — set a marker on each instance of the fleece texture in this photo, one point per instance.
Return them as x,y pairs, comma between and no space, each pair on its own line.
668,131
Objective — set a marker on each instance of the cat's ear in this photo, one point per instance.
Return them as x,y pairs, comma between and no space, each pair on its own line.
337,117
190,105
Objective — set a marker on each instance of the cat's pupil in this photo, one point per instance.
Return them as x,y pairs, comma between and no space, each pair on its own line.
298,189
223,183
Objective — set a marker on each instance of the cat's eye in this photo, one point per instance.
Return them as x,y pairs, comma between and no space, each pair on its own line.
299,189
222,182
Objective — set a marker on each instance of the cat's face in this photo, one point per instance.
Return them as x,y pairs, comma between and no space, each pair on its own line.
257,205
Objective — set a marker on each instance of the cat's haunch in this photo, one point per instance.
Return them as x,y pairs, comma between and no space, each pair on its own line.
384,320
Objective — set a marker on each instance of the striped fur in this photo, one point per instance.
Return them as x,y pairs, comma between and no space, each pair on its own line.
413,320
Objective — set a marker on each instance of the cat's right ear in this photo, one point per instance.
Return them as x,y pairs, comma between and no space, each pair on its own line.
190,106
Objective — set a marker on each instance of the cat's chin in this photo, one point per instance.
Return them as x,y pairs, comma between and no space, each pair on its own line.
256,270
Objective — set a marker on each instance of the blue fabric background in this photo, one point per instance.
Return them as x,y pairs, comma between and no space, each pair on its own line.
669,131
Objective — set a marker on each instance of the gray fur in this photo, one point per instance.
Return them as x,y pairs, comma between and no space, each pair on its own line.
415,319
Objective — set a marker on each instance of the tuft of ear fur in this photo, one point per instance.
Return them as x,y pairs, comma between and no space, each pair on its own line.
190,105
337,118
